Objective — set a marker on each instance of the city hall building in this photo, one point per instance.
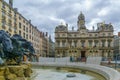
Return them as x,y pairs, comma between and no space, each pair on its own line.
82,43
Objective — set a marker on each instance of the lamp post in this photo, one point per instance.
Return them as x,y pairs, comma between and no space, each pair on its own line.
115,61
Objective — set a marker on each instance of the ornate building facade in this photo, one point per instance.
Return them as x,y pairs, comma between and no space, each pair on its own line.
82,42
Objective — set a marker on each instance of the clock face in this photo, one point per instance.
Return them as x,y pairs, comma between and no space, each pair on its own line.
81,22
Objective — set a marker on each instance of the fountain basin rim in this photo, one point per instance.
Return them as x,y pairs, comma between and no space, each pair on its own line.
108,73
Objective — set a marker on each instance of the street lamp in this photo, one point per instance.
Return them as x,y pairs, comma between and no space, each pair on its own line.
116,61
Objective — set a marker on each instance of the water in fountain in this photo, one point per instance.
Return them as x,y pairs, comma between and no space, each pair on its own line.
51,74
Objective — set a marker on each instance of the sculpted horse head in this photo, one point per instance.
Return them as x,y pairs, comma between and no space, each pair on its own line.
16,44
28,45
23,43
5,45
6,41
20,47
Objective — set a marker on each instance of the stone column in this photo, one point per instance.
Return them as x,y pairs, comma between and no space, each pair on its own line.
93,43
100,43
66,43
87,43
78,44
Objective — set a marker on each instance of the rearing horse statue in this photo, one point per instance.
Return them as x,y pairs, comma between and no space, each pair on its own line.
20,47
5,44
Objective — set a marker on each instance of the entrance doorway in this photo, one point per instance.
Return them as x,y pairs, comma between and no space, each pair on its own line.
83,56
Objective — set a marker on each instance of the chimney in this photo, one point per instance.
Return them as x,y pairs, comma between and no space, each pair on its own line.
11,3
66,24
43,34
16,9
46,34
72,28
29,21
118,34
49,36
93,28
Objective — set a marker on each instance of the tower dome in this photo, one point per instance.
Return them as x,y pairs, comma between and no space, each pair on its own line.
81,21
81,16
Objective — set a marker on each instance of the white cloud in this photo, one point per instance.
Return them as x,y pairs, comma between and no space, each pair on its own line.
49,13
103,12
93,22
88,4
57,19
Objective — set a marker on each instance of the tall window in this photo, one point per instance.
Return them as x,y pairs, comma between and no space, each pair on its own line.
19,18
109,54
19,32
24,35
90,43
24,27
75,43
58,44
3,13
103,43
103,34
63,43
3,22
96,43
109,34
19,25
30,30
109,43
10,23
70,43
82,43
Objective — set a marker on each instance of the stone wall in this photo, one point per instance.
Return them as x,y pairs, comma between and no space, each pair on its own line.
15,72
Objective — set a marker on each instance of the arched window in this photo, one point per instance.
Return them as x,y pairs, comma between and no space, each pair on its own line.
82,43
103,34
90,43
109,43
103,43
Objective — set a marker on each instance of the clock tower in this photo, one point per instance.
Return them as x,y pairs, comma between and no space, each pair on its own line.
81,21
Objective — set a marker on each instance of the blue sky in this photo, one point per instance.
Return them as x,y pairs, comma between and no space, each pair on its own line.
47,14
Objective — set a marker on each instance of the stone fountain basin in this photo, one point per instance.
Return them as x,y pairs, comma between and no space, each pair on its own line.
105,72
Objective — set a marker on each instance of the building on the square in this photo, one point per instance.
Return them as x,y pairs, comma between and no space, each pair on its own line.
82,42
47,45
117,46
51,48
14,23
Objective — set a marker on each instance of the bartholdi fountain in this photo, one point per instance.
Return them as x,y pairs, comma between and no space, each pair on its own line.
12,50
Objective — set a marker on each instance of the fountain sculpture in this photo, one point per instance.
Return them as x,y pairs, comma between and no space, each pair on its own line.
12,50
